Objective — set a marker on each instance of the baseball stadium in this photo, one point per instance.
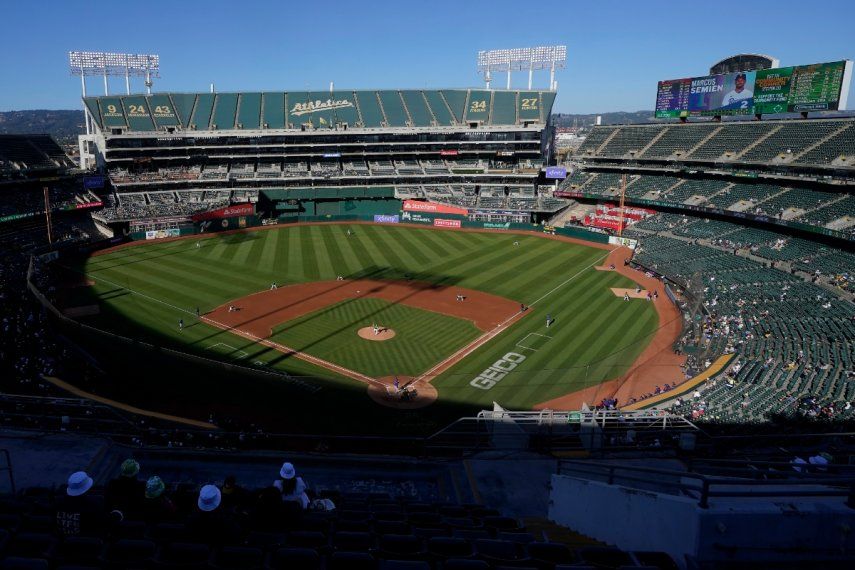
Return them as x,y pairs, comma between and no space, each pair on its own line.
471,339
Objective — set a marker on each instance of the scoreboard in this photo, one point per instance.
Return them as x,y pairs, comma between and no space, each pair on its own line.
818,87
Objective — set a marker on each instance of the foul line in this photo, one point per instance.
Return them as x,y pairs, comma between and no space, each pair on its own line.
427,376
268,343
480,341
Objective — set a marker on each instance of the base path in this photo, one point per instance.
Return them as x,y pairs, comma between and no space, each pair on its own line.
260,312
656,365
256,315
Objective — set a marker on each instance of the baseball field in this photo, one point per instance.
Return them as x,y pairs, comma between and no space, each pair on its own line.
446,306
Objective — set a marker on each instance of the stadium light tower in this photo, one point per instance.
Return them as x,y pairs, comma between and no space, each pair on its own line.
521,59
89,63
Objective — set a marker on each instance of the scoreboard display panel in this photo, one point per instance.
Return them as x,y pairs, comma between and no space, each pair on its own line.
819,87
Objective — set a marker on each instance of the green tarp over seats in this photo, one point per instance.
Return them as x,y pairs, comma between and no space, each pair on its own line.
136,110
163,111
478,106
225,110
439,108
273,109
112,112
456,100
504,108
184,103
249,111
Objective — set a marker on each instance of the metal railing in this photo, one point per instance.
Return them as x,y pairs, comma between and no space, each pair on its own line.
807,483
7,466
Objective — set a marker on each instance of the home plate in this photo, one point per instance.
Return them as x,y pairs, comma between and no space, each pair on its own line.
631,292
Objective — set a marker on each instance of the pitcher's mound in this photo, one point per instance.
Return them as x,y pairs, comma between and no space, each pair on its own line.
409,395
383,333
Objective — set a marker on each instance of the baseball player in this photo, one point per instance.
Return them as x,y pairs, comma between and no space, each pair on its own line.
181,324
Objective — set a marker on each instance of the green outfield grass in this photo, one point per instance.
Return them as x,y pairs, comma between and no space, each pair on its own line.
422,338
143,291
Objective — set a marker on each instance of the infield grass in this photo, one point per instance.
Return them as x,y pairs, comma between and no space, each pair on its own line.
144,290
422,338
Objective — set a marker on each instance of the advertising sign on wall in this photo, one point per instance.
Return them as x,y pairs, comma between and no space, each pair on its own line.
386,219
432,208
443,223
227,212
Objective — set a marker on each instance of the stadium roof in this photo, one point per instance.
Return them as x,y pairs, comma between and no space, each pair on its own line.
320,109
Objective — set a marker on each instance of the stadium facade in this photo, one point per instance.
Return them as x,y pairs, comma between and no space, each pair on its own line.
481,149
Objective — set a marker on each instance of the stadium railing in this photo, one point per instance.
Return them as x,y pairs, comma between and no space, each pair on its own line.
791,484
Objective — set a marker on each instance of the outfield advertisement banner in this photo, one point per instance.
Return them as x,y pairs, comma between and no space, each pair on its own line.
626,242
432,208
818,87
443,223
386,219
227,212
556,172
160,234
497,225
93,182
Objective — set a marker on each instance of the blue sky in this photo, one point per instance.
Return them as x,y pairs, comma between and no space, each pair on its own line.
617,50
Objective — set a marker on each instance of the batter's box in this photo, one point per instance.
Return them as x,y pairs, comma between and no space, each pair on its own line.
533,341
229,350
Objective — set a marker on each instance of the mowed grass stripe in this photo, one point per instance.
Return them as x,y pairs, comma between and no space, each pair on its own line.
205,278
267,262
340,263
403,257
310,254
421,252
180,274
323,255
386,249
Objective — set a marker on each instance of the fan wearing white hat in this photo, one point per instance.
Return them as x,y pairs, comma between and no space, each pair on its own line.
78,510
210,524
291,487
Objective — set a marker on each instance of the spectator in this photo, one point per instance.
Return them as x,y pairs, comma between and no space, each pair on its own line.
79,512
209,524
234,496
157,506
291,487
125,492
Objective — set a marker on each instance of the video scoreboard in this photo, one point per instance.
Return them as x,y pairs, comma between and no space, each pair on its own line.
818,87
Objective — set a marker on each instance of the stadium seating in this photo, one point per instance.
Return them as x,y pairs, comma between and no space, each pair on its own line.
365,531
802,142
22,153
679,139
732,140
791,345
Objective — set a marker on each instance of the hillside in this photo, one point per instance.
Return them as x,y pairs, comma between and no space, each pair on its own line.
63,125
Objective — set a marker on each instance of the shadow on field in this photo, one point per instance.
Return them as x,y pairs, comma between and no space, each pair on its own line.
275,402
420,280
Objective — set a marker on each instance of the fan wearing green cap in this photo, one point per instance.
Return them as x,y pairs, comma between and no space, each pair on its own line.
125,492
157,506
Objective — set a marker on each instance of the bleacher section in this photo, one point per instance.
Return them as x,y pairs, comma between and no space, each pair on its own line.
817,142
20,154
791,337
831,210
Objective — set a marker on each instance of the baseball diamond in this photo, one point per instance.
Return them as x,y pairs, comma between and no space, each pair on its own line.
452,297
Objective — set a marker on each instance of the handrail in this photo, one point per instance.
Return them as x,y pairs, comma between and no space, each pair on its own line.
8,467
712,486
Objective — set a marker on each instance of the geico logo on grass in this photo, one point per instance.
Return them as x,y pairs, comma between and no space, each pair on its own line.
497,371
